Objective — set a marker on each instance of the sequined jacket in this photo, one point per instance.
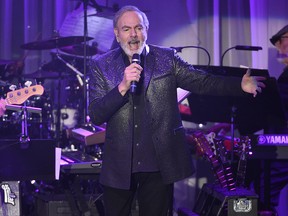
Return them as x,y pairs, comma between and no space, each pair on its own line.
165,71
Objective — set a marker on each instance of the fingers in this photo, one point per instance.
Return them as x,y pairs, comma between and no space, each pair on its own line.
255,83
259,78
261,84
133,72
135,65
248,72
255,92
259,89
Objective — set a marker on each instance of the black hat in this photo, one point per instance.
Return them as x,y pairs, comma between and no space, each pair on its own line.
278,35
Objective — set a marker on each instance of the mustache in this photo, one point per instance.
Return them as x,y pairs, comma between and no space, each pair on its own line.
134,41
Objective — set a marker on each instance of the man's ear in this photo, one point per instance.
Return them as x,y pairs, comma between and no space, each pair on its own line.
116,34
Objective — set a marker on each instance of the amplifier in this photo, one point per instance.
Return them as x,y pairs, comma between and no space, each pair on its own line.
58,205
89,137
213,200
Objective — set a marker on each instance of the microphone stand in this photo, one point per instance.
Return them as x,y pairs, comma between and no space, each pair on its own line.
24,139
85,113
78,73
85,78
233,108
85,86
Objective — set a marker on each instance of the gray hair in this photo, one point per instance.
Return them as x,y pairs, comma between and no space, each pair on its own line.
130,8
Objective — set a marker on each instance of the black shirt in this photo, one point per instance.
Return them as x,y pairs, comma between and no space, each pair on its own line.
144,157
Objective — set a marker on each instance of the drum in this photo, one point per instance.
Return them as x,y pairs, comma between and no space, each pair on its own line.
74,94
44,103
69,118
38,124
10,125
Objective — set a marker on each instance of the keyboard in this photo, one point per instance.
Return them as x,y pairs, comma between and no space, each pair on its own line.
77,162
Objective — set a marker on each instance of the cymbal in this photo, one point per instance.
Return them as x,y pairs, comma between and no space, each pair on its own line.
41,74
6,62
78,49
56,42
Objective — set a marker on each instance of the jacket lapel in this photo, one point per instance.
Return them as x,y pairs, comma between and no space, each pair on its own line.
148,68
116,64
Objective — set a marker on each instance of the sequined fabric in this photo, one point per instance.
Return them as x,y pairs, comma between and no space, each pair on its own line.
165,72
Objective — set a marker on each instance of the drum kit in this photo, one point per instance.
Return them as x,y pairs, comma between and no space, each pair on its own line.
62,108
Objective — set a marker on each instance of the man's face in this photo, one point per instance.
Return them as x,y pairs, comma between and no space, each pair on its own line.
282,47
131,33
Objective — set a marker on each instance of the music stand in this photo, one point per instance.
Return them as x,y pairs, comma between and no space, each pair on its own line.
33,161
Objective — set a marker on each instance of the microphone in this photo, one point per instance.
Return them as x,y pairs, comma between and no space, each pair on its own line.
135,59
252,48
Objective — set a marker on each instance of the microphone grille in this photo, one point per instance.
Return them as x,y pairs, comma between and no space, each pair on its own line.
136,58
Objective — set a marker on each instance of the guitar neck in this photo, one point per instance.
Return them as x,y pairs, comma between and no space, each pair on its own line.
227,168
245,143
19,96
241,172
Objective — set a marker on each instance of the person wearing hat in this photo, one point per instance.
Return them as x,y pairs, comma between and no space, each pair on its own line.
280,41
279,168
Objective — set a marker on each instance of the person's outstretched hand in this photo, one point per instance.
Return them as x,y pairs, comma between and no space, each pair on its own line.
252,84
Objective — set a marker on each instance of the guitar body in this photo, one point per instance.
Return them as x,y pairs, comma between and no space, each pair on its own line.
222,153
207,152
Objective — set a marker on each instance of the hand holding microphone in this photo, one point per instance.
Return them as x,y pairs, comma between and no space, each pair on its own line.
135,59
131,76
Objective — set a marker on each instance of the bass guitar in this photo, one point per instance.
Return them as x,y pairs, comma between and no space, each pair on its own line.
19,96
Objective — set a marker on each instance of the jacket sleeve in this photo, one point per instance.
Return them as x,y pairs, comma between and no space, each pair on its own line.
203,83
104,101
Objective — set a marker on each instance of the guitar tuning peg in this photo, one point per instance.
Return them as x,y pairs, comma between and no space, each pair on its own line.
28,83
12,87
